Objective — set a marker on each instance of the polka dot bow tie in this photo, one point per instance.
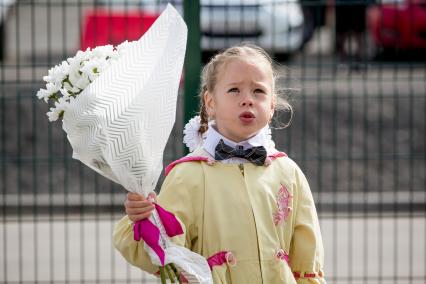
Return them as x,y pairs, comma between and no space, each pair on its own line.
256,155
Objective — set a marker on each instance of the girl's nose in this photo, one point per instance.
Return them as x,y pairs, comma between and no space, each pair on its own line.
247,101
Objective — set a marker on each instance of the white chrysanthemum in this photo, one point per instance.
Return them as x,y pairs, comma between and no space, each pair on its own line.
53,88
66,80
124,45
90,69
94,67
43,94
81,56
70,88
65,93
78,80
57,73
103,51
62,104
53,114
191,135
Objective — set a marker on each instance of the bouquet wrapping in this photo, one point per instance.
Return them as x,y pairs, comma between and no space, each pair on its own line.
118,124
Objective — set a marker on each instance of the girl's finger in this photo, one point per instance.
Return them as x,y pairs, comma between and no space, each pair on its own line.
135,196
137,204
137,211
135,218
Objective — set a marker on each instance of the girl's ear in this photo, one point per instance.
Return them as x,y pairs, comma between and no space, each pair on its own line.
272,108
209,104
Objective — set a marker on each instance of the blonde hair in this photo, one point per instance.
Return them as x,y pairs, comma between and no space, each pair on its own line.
210,72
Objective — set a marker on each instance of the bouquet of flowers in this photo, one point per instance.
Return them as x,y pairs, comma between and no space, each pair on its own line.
118,107
67,80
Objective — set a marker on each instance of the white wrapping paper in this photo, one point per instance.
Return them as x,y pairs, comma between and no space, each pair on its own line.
119,125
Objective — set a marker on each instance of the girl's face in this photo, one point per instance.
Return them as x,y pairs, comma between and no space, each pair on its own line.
242,102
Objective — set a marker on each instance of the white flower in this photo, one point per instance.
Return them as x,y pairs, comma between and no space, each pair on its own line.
67,80
79,80
192,137
58,73
50,91
124,46
43,94
103,51
70,88
53,114
61,104
65,93
94,67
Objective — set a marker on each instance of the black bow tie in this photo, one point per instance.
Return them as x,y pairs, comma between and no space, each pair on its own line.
256,155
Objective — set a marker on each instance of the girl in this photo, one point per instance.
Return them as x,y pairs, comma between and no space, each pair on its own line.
242,204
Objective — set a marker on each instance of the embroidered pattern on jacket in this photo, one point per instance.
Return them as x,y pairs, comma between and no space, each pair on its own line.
283,201
281,254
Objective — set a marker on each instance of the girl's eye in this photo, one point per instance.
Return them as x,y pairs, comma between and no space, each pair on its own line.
233,90
260,91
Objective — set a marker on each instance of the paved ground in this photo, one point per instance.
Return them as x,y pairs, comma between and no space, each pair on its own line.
72,249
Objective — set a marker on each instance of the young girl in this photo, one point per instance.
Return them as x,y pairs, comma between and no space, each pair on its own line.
243,205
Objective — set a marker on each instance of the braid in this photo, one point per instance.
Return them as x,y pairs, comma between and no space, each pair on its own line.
204,123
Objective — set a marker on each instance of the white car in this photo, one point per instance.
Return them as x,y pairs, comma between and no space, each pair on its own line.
276,25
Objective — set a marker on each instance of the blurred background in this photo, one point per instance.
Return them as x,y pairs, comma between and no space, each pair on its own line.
354,70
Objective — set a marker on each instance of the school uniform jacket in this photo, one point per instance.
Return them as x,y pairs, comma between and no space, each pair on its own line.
262,218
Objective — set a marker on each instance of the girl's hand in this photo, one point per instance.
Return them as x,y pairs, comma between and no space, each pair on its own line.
138,207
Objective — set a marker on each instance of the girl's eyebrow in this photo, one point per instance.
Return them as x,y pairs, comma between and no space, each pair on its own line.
261,84
233,83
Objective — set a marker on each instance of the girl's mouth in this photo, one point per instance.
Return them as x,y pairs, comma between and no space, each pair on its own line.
247,117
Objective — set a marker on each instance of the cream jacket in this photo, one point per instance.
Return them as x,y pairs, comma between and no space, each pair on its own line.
264,215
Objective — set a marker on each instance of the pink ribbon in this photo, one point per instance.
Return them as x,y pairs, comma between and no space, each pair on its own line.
150,234
220,258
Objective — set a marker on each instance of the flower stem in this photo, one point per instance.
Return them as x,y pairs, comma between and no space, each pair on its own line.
162,275
173,267
170,273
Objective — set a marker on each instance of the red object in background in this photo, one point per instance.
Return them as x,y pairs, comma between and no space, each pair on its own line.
102,26
398,25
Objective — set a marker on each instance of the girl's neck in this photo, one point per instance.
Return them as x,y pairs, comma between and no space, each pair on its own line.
233,140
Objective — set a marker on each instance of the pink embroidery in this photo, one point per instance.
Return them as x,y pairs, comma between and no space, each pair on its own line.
282,255
283,201
221,258
183,160
277,155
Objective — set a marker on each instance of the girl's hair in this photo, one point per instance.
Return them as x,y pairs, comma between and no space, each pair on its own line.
210,74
